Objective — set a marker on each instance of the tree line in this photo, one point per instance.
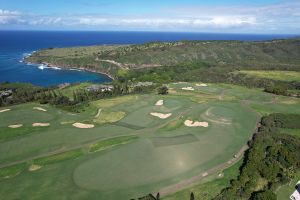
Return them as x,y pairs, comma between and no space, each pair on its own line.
22,93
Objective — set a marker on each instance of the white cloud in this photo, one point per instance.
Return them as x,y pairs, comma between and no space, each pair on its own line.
7,16
282,17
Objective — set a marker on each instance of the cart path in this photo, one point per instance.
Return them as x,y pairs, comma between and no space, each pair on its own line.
185,183
188,182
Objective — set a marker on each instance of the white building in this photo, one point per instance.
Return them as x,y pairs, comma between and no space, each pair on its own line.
296,194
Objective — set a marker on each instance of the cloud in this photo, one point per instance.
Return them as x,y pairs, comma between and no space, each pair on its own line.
275,18
7,16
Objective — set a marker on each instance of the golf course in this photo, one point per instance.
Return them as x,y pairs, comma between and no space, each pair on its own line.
128,146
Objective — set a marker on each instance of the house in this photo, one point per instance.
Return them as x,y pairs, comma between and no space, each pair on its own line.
296,194
142,84
99,87
5,94
63,85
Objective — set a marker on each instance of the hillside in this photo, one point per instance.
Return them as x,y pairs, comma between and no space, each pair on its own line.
279,54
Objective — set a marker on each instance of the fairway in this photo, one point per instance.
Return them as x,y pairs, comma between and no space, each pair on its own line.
127,152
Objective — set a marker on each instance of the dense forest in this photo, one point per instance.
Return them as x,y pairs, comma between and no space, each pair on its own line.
279,156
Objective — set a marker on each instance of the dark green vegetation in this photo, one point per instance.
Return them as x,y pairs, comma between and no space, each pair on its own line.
267,54
74,102
279,160
206,61
19,93
129,152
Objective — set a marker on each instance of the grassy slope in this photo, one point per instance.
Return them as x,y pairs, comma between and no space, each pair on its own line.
224,53
275,75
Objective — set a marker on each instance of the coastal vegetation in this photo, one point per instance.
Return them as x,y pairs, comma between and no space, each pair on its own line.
249,64
157,126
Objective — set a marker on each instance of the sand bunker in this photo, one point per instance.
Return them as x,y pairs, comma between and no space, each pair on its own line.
201,85
205,174
81,125
40,109
188,88
15,126
191,123
5,110
34,168
161,115
159,103
40,124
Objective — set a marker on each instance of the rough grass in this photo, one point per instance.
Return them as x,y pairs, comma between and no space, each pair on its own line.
9,172
105,144
275,75
173,125
58,157
293,132
109,117
68,91
108,103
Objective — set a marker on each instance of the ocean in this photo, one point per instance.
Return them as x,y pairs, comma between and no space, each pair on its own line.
14,45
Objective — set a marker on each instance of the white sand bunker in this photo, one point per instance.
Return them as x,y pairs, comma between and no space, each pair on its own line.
40,109
81,125
5,110
191,123
161,115
34,168
15,126
40,124
188,88
159,103
201,85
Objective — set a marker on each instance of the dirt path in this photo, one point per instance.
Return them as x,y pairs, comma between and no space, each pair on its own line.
112,62
98,113
221,96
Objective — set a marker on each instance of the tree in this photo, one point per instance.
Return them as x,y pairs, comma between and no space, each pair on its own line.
163,90
265,195
192,197
157,196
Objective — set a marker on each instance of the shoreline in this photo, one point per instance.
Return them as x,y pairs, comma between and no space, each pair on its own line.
75,68
52,66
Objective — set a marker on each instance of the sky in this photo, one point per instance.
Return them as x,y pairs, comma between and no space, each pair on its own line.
216,16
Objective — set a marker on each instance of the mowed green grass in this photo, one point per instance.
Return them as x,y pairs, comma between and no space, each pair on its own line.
209,187
136,155
274,74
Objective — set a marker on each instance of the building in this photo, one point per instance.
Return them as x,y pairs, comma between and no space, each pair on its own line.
142,84
5,94
296,194
99,87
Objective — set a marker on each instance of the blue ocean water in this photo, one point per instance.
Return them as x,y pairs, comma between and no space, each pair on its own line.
14,45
